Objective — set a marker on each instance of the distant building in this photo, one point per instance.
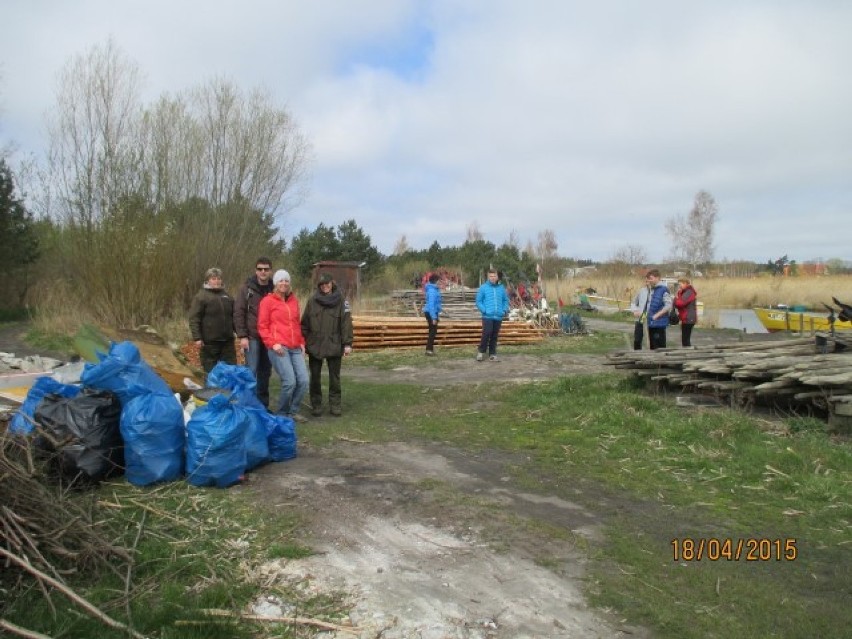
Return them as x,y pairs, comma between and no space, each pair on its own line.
579,271
347,276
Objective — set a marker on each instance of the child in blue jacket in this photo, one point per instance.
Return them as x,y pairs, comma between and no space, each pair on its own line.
431,310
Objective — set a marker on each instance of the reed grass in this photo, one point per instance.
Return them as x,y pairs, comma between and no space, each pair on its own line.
722,292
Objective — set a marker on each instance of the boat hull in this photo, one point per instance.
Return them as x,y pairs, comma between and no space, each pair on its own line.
774,320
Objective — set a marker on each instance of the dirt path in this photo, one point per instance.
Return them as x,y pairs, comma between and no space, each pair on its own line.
435,543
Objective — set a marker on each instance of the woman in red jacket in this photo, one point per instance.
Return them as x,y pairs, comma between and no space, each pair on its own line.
687,309
279,326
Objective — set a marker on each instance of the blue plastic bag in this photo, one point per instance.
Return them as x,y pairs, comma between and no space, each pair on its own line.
153,431
216,443
19,424
125,373
237,379
257,441
281,434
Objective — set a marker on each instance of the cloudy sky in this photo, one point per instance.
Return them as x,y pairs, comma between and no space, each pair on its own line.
597,120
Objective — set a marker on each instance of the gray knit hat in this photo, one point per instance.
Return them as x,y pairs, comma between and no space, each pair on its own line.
280,276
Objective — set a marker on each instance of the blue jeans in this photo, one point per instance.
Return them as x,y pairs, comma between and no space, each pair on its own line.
257,359
290,366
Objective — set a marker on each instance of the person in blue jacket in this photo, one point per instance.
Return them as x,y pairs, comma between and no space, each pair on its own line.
493,302
431,310
659,307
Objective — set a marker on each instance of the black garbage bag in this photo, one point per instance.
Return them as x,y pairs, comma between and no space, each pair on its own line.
82,435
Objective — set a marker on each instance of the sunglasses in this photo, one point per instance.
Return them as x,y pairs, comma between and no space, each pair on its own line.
262,268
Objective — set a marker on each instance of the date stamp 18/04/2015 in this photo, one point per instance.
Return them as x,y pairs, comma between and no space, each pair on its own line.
729,549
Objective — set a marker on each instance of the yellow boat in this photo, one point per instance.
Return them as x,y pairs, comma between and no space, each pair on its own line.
779,319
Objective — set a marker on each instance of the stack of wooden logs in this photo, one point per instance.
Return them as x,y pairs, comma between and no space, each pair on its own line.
814,376
456,304
408,332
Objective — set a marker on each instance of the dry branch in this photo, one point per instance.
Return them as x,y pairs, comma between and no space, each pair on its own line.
301,621
21,632
91,609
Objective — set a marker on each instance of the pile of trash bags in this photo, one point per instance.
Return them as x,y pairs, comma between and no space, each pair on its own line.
125,419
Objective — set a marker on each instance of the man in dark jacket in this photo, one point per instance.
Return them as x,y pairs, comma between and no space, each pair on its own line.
327,327
211,322
255,288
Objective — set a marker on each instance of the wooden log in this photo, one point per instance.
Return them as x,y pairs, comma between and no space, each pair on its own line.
775,384
724,385
842,379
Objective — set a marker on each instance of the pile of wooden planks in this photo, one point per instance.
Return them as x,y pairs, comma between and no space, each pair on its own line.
456,304
407,332
804,373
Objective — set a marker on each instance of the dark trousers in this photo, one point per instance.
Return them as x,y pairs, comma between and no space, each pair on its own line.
315,388
686,334
490,332
656,338
638,335
433,331
214,352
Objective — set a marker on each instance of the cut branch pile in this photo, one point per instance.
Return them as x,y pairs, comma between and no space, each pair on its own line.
796,374
38,522
44,535
372,333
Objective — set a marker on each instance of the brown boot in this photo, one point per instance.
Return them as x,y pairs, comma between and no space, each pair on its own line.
335,410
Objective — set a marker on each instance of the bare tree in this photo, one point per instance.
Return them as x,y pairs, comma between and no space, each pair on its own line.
93,154
618,273
213,142
546,248
529,249
692,235
513,240
401,247
254,151
473,232
631,255
152,197
220,145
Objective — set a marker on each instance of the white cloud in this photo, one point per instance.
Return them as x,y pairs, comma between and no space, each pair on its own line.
596,120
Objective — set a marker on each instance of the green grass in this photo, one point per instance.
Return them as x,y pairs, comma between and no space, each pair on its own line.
683,474
625,317
597,343
193,552
13,315
653,473
50,341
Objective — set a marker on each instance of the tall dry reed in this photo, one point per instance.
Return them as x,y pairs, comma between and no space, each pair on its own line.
722,292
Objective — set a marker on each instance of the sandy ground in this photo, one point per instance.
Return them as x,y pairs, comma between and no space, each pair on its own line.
434,543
